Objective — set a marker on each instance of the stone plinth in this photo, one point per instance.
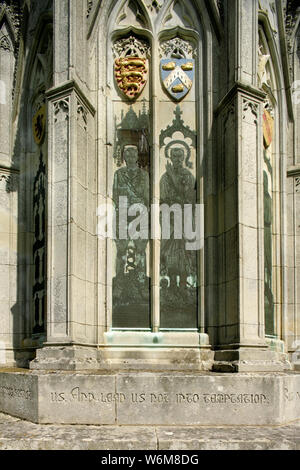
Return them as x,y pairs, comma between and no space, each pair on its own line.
131,350
149,398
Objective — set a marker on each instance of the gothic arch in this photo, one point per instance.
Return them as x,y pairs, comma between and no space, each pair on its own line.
157,23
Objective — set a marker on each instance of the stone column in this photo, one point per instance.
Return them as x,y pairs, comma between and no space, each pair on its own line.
71,308
72,242
241,336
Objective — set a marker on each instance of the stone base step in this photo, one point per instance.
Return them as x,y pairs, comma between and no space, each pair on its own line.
16,434
141,398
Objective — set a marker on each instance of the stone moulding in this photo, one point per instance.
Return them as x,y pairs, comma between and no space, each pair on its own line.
248,92
62,91
151,398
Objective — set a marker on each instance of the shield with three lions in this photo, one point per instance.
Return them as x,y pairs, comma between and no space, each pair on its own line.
177,76
131,75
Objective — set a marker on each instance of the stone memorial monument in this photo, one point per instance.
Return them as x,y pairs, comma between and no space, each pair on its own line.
149,216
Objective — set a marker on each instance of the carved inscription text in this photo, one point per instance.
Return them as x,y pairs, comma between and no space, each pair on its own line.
76,395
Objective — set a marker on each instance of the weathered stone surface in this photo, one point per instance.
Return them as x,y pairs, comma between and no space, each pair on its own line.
238,438
148,398
87,399
19,395
21,435
191,399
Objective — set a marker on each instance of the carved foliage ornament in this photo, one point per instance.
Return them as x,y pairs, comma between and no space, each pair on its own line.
131,66
177,67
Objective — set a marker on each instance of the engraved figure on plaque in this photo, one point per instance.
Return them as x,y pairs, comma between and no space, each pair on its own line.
131,285
178,265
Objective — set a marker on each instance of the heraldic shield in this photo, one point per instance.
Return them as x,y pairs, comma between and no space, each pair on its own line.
39,125
131,75
177,76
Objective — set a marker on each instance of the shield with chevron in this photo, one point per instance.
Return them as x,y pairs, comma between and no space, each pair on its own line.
177,76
